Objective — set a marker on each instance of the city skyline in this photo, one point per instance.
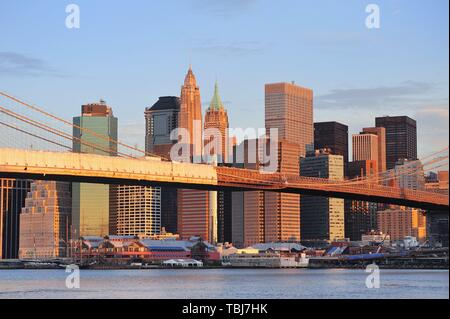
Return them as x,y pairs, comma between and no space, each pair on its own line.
68,75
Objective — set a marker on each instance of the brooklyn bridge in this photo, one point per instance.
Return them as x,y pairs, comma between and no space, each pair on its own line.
35,144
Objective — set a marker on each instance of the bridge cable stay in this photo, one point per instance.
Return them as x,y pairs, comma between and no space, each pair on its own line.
85,130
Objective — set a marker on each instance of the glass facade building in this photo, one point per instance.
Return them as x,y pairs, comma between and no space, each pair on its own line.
95,132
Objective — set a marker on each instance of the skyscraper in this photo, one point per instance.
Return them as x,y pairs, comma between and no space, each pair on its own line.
160,120
282,210
190,117
193,205
216,146
332,136
380,132
289,108
138,210
322,218
95,131
12,198
401,138
365,147
45,221
361,216
216,119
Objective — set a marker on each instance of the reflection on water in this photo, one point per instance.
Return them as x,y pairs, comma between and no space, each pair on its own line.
225,283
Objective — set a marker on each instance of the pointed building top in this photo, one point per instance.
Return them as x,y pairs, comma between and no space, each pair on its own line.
190,80
216,102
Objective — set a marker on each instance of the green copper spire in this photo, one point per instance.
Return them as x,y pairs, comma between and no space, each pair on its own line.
216,102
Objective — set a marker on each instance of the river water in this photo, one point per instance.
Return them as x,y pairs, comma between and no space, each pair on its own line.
225,283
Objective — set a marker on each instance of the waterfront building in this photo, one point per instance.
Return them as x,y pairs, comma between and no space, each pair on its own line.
322,218
332,136
401,138
95,131
12,198
160,120
45,221
399,222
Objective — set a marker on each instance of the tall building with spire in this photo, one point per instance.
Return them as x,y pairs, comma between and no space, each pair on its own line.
216,149
190,117
216,117
193,205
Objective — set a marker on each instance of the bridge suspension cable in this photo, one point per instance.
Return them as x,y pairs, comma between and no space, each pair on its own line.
82,129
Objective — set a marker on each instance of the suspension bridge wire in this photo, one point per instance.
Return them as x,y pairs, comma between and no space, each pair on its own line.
34,135
86,130
56,131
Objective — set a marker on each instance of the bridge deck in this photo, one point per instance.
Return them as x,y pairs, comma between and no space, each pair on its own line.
150,171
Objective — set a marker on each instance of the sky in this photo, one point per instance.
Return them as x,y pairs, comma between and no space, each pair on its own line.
130,53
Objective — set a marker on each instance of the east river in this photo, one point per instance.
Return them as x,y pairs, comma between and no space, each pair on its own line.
225,283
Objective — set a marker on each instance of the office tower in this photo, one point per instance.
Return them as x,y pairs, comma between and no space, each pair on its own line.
45,221
12,198
381,133
365,147
289,108
95,132
401,222
138,210
248,215
193,205
409,174
360,216
216,121
401,138
322,218
282,217
190,117
332,136
216,147
160,120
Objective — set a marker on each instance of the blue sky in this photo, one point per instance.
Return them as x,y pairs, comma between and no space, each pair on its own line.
129,53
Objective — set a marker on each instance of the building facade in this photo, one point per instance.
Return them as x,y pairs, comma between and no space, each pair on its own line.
12,198
217,149
193,205
95,131
365,147
332,136
160,120
322,218
289,108
380,132
45,230
138,210
401,222
401,138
